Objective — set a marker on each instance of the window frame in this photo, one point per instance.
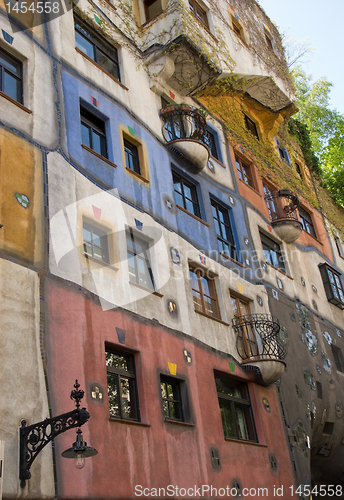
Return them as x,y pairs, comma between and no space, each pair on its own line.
135,239
95,125
210,140
234,402
148,17
281,262
333,287
270,203
132,156
282,151
129,374
338,358
244,172
228,226
92,228
200,272
176,400
248,335
194,194
99,45
5,67
251,126
193,4
339,246
306,221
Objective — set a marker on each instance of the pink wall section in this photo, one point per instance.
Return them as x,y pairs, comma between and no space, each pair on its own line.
153,453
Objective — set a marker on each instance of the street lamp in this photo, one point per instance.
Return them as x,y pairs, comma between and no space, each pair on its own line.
35,437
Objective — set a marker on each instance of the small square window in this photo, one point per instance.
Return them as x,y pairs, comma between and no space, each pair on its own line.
152,8
298,170
251,126
333,285
224,231
95,241
11,76
282,151
272,252
93,132
204,293
237,28
244,172
132,160
186,194
338,357
306,221
319,389
235,408
199,12
140,271
96,48
175,401
121,380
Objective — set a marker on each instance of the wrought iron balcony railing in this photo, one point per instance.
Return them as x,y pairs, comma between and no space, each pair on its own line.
258,337
183,122
282,204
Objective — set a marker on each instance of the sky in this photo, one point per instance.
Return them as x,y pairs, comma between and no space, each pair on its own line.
322,23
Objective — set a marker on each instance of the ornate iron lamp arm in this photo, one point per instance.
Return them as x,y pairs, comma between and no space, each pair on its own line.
35,437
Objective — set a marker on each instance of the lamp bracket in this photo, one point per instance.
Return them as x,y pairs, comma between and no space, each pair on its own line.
35,437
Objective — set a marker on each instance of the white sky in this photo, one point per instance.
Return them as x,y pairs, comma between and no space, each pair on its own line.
322,22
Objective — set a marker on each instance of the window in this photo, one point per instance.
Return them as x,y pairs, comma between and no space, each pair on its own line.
338,357
131,156
270,202
223,230
298,170
210,141
95,242
339,246
282,151
244,172
251,126
204,293
140,271
237,28
319,389
171,398
306,221
152,8
186,194
272,252
121,381
199,12
333,285
96,48
11,71
246,342
93,132
268,41
235,408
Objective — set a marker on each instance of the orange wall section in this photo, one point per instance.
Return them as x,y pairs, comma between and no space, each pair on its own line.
21,173
158,453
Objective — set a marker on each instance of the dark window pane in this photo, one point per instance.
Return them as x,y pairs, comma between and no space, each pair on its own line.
106,63
10,86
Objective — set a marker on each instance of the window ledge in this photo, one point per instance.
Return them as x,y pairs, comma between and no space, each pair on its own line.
128,422
252,188
233,260
178,422
109,4
243,441
139,176
279,270
13,101
192,215
98,155
101,68
153,292
212,317
217,161
313,237
101,262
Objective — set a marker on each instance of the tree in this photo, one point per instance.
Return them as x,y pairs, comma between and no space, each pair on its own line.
325,126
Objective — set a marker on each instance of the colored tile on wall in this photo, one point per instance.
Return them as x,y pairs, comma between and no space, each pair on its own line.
172,368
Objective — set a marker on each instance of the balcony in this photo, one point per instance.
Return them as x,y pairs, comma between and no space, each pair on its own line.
283,209
260,347
185,131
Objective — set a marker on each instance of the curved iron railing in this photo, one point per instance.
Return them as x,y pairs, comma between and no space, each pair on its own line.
258,337
282,204
184,122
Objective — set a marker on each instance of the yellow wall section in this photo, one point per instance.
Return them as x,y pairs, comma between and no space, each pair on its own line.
21,172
